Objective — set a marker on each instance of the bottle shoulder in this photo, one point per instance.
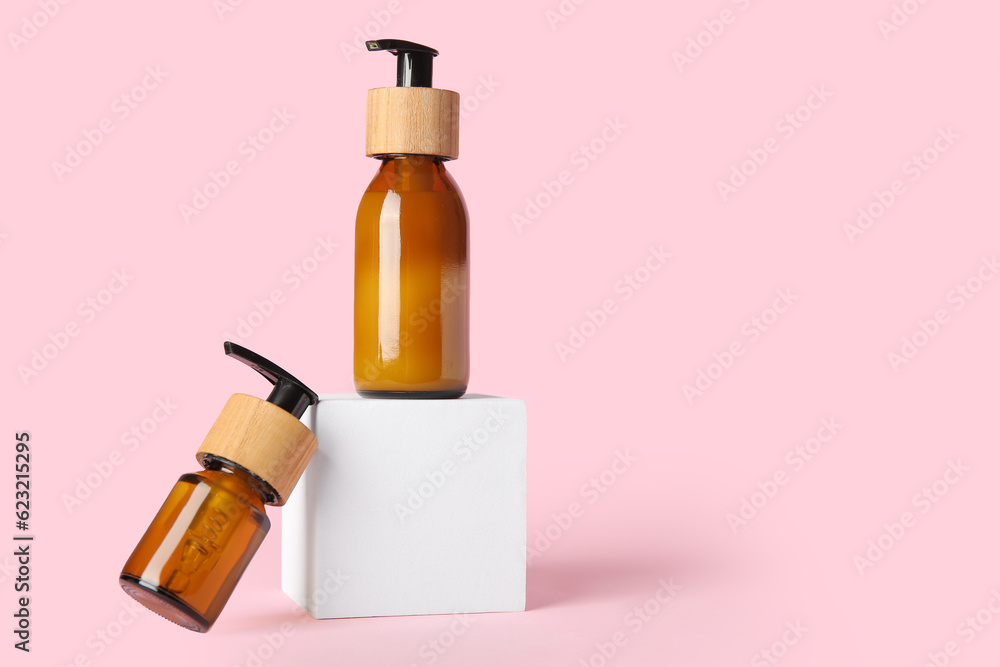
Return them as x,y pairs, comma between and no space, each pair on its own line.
227,483
415,173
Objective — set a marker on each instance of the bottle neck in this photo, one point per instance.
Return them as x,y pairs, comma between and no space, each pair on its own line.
412,173
412,158
240,479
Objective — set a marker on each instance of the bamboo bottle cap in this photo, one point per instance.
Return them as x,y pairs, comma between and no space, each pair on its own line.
412,118
264,439
412,121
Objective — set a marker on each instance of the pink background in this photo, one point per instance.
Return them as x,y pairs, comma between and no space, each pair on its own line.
553,90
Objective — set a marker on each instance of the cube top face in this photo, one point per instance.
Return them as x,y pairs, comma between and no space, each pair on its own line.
415,507
466,397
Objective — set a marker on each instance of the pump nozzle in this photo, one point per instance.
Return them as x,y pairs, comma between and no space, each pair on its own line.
414,62
289,394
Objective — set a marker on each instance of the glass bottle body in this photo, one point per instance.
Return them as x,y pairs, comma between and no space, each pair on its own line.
411,283
194,552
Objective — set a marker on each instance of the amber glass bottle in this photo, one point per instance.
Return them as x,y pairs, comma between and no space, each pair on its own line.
411,272
194,552
411,283
198,545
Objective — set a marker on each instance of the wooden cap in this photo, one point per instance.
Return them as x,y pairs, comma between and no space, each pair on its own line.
412,121
264,439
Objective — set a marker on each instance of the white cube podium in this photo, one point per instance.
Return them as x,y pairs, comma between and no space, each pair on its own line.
409,507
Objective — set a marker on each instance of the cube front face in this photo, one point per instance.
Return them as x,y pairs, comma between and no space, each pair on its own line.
409,507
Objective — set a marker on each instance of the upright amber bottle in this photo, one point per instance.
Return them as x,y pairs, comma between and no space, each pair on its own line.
411,278
194,552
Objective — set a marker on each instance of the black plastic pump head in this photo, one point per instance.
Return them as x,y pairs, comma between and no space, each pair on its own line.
288,394
414,62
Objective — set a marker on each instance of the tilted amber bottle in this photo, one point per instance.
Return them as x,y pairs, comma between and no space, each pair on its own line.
198,545
411,274
194,552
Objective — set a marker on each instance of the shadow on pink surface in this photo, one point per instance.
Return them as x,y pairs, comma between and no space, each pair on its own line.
573,583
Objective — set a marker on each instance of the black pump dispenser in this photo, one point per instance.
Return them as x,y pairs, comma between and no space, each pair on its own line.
289,394
414,62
